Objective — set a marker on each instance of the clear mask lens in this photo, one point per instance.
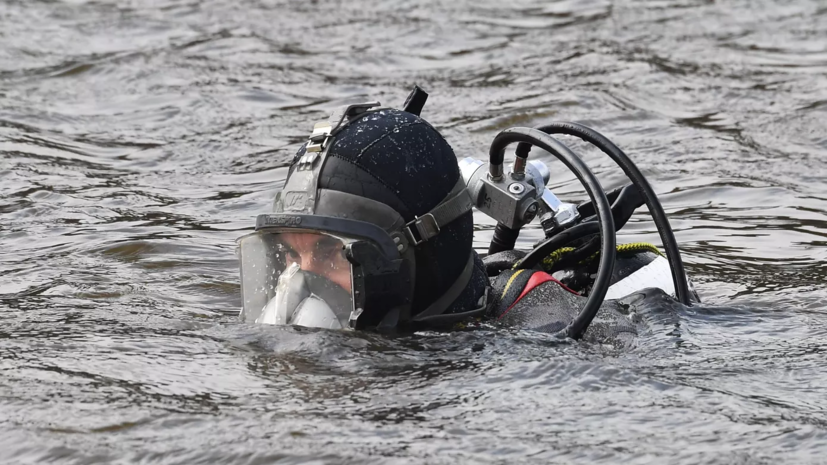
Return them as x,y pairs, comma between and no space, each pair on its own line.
295,277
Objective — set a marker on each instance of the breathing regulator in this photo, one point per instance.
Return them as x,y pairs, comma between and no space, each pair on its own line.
516,196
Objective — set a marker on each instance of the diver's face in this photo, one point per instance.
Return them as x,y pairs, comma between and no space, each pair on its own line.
319,254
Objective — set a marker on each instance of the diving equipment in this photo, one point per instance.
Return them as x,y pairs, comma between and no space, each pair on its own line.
557,216
379,244
495,193
679,279
296,277
373,227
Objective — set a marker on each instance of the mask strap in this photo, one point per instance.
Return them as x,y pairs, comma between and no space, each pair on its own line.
453,292
450,318
455,204
390,321
300,189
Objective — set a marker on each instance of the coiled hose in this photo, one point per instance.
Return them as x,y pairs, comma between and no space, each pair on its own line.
667,236
605,222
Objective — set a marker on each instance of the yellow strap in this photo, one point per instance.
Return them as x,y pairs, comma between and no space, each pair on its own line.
639,247
510,281
555,256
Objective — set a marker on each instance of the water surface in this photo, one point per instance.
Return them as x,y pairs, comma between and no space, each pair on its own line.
138,139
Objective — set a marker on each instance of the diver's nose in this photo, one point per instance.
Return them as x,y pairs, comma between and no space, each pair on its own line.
321,267
307,263
312,265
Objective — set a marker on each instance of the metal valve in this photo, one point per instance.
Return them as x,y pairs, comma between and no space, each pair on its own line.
511,199
516,198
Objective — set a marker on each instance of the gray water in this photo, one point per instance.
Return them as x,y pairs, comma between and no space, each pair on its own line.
139,138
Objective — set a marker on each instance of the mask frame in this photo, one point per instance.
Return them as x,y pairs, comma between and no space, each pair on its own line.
382,264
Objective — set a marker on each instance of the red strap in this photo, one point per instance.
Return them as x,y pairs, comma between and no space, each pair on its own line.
539,277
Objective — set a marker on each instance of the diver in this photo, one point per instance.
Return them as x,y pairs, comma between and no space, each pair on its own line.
374,229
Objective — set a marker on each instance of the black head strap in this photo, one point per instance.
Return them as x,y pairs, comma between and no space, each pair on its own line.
300,190
300,193
455,204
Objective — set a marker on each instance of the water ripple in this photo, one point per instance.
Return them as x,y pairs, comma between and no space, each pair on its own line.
139,139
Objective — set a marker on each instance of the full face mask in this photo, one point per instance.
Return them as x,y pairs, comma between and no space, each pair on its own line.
335,260
300,278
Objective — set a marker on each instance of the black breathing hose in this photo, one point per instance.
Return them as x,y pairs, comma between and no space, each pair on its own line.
504,239
605,223
667,236
544,248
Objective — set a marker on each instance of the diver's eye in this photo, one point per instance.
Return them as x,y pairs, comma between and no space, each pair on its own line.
288,254
292,257
328,248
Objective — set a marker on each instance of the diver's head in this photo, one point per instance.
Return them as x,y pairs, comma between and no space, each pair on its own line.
374,226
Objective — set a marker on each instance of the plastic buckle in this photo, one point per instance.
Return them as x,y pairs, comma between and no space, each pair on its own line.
426,226
321,131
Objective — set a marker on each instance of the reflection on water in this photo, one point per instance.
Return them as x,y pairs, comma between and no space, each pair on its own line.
139,139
